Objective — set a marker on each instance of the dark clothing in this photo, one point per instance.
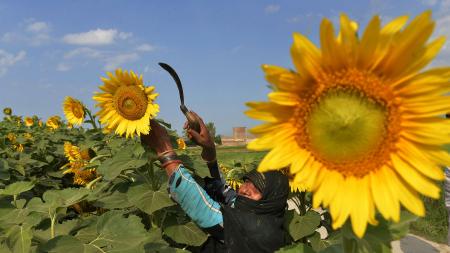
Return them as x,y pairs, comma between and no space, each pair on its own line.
249,225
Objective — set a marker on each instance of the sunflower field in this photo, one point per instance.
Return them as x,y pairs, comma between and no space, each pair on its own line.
356,127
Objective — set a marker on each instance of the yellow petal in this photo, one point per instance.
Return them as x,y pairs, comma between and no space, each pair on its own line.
414,179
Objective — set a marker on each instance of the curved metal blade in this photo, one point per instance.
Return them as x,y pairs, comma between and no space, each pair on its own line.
175,77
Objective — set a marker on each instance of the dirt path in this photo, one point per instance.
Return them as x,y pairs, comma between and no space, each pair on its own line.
415,244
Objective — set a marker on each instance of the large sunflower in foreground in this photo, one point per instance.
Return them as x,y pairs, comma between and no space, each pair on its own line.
74,111
126,105
357,122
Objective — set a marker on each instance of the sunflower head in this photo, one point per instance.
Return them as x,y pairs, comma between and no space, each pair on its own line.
7,111
181,144
358,120
125,104
40,123
11,137
73,110
28,121
18,147
83,177
54,122
72,152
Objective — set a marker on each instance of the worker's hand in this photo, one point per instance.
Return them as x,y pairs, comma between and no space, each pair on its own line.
202,138
158,139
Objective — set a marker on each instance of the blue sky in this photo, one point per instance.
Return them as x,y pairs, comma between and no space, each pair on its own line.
53,49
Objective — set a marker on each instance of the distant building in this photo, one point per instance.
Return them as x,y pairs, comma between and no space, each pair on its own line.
240,137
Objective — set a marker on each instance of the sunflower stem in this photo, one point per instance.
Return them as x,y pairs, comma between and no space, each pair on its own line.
92,118
302,206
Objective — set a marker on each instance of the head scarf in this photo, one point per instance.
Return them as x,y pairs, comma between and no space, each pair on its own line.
257,225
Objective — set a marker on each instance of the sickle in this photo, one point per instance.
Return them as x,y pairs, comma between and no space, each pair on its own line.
193,123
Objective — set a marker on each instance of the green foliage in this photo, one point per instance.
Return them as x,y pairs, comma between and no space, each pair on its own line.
127,207
434,225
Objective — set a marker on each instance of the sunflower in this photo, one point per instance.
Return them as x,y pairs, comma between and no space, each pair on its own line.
81,176
40,124
72,152
7,111
181,144
295,186
73,110
78,160
235,184
19,148
11,137
28,121
126,105
54,122
357,122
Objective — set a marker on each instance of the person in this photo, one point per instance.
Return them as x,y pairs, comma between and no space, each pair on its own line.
249,220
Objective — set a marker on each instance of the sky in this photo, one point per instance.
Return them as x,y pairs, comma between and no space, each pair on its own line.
53,49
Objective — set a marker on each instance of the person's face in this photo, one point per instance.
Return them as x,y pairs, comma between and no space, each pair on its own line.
248,190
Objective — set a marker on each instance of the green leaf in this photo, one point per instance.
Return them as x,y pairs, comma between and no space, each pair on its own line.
400,229
66,197
64,228
17,188
301,226
112,232
63,243
141,195
115,200
19,239
4,174
188,234
296,248
319,244
112,167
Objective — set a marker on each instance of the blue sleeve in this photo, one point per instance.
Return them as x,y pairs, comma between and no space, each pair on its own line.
193,199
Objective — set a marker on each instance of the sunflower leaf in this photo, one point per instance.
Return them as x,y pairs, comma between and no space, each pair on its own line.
149,201
17,188
187,233
301,226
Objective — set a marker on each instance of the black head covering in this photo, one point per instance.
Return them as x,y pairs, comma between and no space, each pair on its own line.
257,225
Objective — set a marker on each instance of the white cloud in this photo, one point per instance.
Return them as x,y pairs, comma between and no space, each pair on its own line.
38,27
8,60
63,67
96,37
84,52
118,60
124,35
145,48
10,37
272,8
35,33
